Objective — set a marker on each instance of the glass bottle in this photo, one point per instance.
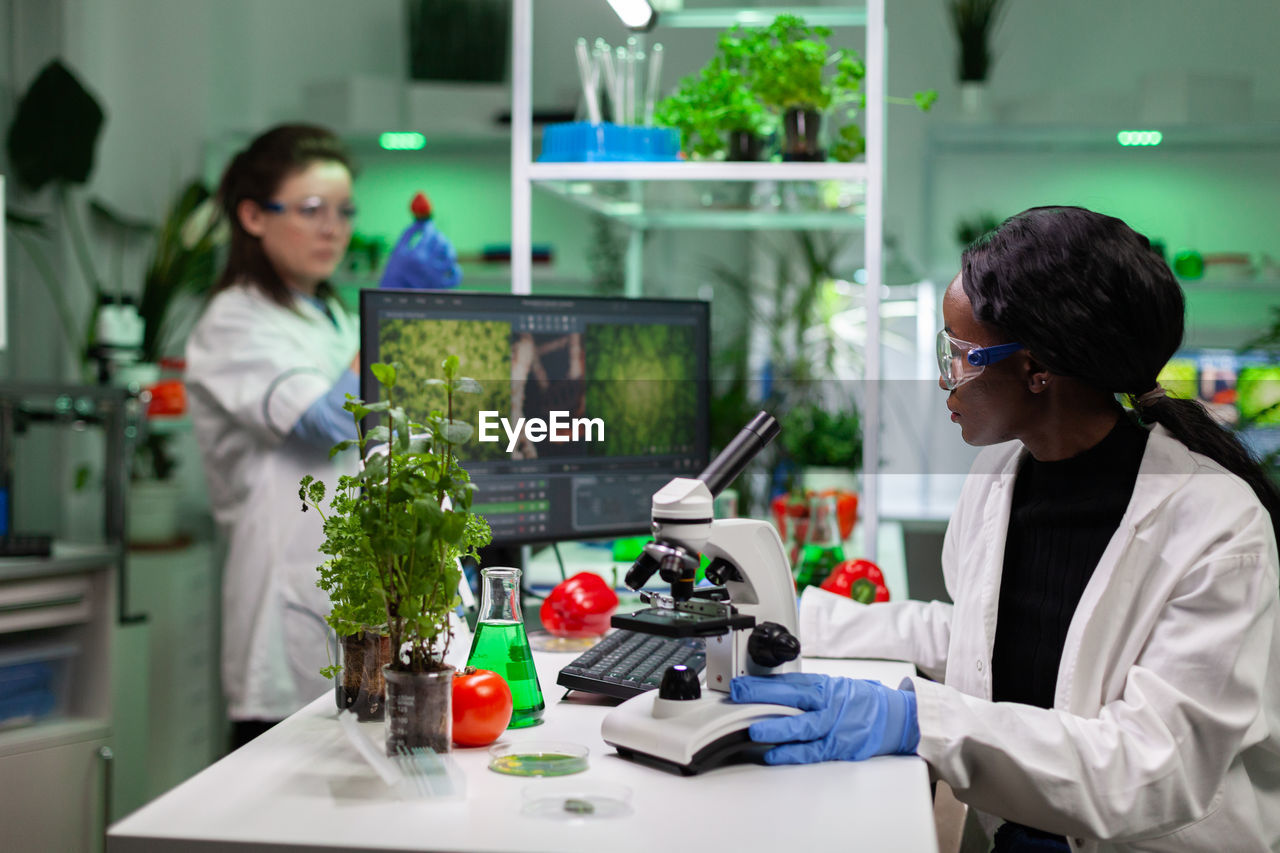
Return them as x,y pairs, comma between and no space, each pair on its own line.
822,549
500,644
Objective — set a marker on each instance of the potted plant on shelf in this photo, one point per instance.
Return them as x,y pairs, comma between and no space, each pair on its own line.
715,111
400,526
793,71
973,22
825,443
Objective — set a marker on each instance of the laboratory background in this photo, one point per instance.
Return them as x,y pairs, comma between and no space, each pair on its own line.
822,288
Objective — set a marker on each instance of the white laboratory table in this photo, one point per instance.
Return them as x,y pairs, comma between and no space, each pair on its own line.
303,787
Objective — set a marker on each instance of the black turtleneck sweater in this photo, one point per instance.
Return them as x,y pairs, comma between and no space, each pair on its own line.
1064,514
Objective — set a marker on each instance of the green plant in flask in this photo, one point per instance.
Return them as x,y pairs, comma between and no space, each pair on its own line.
501,645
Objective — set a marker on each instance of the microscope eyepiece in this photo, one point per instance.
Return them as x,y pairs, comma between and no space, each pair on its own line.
753,438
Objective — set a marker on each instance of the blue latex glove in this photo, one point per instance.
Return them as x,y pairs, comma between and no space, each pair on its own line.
845,719
423,259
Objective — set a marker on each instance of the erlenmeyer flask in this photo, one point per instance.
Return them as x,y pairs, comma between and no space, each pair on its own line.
500,644
822,548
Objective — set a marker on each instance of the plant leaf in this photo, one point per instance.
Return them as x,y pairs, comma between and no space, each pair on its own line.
456,431
384,373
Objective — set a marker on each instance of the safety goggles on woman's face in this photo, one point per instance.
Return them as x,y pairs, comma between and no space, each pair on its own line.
315,212
959,361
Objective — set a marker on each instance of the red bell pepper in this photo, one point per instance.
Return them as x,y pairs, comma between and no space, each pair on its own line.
580,606
861,580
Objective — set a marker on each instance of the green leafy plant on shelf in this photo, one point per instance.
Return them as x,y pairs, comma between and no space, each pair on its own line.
713,103
790,66
972,227
757,75
973,22
394,532
818,435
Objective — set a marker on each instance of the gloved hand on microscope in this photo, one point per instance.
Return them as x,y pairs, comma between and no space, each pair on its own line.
845,719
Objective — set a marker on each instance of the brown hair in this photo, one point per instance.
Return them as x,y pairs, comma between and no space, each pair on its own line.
255,174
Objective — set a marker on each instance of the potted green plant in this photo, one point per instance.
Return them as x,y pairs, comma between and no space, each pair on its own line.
715,111
973,22
401,524
824,443
792,70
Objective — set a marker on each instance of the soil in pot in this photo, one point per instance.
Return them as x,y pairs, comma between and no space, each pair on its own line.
419,709
362,689
800,129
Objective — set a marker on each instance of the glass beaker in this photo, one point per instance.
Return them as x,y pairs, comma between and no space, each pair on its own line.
501,645
822,549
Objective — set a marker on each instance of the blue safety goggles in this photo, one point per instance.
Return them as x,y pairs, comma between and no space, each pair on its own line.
959,361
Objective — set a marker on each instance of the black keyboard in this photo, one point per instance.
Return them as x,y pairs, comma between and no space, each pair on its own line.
626,663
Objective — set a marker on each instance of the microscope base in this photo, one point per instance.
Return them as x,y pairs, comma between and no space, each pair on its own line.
690,736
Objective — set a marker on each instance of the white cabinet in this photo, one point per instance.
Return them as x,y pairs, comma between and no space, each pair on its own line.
59,616
55,796
54,771
667,195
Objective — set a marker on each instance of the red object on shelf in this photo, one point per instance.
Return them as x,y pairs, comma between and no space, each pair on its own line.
420,207
168,398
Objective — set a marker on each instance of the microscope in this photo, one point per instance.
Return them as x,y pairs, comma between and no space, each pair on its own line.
748,619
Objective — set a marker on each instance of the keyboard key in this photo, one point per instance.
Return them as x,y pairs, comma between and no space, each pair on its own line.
625,663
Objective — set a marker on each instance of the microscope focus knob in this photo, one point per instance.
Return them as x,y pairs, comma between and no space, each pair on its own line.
771,645
679,682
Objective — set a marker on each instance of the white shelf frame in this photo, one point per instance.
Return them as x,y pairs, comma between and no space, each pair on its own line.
525,172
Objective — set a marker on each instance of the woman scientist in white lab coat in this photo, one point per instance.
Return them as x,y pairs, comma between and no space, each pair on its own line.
1108,677
269,365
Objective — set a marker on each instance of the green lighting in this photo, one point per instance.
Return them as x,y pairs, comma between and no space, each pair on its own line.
1139,137
402,141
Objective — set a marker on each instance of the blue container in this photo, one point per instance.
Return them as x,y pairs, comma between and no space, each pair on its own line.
583,142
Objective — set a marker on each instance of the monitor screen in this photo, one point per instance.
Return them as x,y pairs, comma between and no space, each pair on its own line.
1240,388
587,405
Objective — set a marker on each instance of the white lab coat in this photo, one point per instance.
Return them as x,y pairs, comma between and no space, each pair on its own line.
253,368
1165,730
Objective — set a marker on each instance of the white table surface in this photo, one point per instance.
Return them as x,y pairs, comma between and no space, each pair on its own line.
303,787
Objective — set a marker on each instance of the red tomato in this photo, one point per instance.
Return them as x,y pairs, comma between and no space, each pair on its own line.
481,706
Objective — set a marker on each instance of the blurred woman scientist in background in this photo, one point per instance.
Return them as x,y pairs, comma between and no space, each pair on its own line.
1110,667
269,365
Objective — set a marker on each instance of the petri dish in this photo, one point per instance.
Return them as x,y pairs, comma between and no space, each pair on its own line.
538,758
576,800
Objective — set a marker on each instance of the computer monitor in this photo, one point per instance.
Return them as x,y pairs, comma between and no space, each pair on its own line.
620,386
1241,389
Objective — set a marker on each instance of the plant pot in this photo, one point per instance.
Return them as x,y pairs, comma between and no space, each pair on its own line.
800,135
153,511
975,102
744,146
361,687
419,709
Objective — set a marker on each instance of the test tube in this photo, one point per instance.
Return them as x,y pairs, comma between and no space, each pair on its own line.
651,84
587,73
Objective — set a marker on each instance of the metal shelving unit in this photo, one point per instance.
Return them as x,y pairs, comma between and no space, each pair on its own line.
624,191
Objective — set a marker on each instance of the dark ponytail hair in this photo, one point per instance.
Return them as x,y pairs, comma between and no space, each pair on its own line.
255,174
1089,299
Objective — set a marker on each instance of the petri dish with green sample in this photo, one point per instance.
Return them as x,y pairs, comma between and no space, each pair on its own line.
538,758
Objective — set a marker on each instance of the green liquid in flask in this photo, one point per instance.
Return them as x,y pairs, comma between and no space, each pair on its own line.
816,562
502,647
